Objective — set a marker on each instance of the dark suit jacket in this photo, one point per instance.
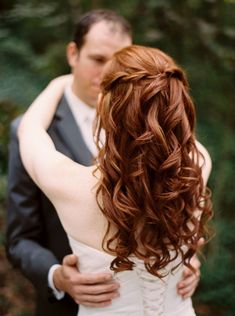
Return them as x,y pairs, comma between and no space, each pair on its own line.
35,239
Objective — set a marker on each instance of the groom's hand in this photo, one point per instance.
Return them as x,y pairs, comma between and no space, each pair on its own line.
187,286
89,289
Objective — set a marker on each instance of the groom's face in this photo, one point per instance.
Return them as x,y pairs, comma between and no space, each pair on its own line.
87,63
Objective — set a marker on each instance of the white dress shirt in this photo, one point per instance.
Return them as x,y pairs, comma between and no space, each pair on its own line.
84,116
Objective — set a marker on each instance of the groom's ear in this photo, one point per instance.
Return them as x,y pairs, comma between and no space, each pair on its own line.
72,54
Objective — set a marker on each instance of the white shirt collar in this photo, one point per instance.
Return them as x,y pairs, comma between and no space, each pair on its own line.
81,111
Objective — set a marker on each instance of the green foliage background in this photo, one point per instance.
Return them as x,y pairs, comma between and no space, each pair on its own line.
200,35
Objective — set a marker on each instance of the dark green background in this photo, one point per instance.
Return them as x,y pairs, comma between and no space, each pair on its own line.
200,35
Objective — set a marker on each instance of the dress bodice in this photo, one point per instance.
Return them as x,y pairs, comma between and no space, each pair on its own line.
141,293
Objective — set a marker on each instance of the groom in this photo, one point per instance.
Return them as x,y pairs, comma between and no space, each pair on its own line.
36,241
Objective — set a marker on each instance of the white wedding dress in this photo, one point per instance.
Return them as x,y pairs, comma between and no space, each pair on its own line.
141,293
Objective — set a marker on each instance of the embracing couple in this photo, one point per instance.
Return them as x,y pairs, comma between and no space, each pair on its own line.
132,216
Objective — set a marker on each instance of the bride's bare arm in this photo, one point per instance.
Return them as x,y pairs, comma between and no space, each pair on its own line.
37,150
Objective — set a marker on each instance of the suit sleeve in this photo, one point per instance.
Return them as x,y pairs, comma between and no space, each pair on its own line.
24,232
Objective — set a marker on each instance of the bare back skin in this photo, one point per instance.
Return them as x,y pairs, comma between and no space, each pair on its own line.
76,204
78,209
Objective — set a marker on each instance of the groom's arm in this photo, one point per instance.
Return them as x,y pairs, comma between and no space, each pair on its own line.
24,235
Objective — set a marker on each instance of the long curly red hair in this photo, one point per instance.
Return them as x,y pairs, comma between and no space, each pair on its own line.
151,182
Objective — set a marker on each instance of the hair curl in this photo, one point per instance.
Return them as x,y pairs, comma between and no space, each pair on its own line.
151,182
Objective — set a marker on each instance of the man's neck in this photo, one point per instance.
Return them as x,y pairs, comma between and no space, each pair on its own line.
80,98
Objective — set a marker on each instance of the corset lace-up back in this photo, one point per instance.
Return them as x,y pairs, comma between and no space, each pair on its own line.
141,293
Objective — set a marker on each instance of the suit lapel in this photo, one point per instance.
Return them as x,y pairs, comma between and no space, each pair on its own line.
70,134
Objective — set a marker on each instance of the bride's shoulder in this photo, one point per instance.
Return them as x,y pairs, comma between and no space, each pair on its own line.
205,161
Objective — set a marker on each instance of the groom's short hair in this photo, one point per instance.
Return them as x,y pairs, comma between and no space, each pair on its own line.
90,18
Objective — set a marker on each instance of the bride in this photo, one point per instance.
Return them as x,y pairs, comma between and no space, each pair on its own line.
141,209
